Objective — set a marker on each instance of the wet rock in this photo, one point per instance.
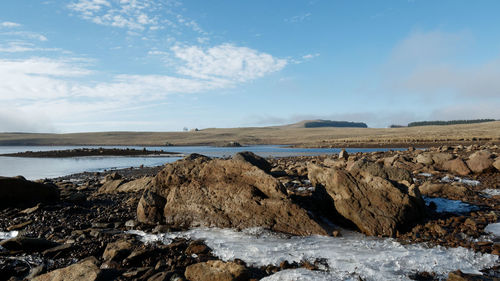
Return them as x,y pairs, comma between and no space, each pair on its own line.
28,244
480,161
375,205
216,270
86,270
460,276
19,192
253,159
19,225
55,251
456,166
198,191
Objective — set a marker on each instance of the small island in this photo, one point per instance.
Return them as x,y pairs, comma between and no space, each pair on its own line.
82,152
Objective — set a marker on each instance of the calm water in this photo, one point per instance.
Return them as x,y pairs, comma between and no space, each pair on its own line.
38,168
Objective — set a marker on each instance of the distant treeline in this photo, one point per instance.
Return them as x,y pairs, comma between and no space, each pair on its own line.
328,123
452,122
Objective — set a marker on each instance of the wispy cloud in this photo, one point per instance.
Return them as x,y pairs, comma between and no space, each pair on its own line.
299,18
9,24
20,46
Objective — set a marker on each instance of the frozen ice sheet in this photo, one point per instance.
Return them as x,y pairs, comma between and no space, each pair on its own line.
349,256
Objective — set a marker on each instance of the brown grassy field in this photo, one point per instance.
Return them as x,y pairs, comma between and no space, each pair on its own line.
288,135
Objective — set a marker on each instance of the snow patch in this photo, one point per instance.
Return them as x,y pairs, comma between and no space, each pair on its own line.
450,206
493,228
349,256
460,180
427,175
491,192
8,235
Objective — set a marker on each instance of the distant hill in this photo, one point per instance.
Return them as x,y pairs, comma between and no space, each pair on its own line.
452,122
328,123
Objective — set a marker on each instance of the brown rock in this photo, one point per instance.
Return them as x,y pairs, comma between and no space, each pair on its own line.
440,158
19,192
253,159
85,270
124,186
456,166
27,244
496,164
480,161
343,155
117,250
378,170
198,191
444,190
424,158
375,205
216,270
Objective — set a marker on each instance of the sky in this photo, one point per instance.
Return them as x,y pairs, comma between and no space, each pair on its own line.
165,65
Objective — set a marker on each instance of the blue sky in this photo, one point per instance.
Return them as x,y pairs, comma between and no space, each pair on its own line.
143,65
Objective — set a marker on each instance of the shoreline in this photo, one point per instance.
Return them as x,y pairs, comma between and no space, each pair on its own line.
97,210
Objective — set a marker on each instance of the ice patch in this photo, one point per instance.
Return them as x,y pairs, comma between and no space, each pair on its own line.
301,274
349,256
450,206
460,180
8,235
493,228
491,192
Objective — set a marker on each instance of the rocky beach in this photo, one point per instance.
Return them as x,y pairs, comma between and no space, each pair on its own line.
421,214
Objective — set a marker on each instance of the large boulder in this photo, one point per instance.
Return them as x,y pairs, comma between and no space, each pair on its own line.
456,166
480,161
216,270
445,190
19,192
377,206
441,157
424,158
199,191
86,270
376,169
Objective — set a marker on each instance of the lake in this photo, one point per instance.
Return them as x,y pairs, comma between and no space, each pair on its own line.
39,168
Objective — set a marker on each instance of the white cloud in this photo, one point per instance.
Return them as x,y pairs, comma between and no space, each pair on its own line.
226,62
310,56
129,14
9,24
